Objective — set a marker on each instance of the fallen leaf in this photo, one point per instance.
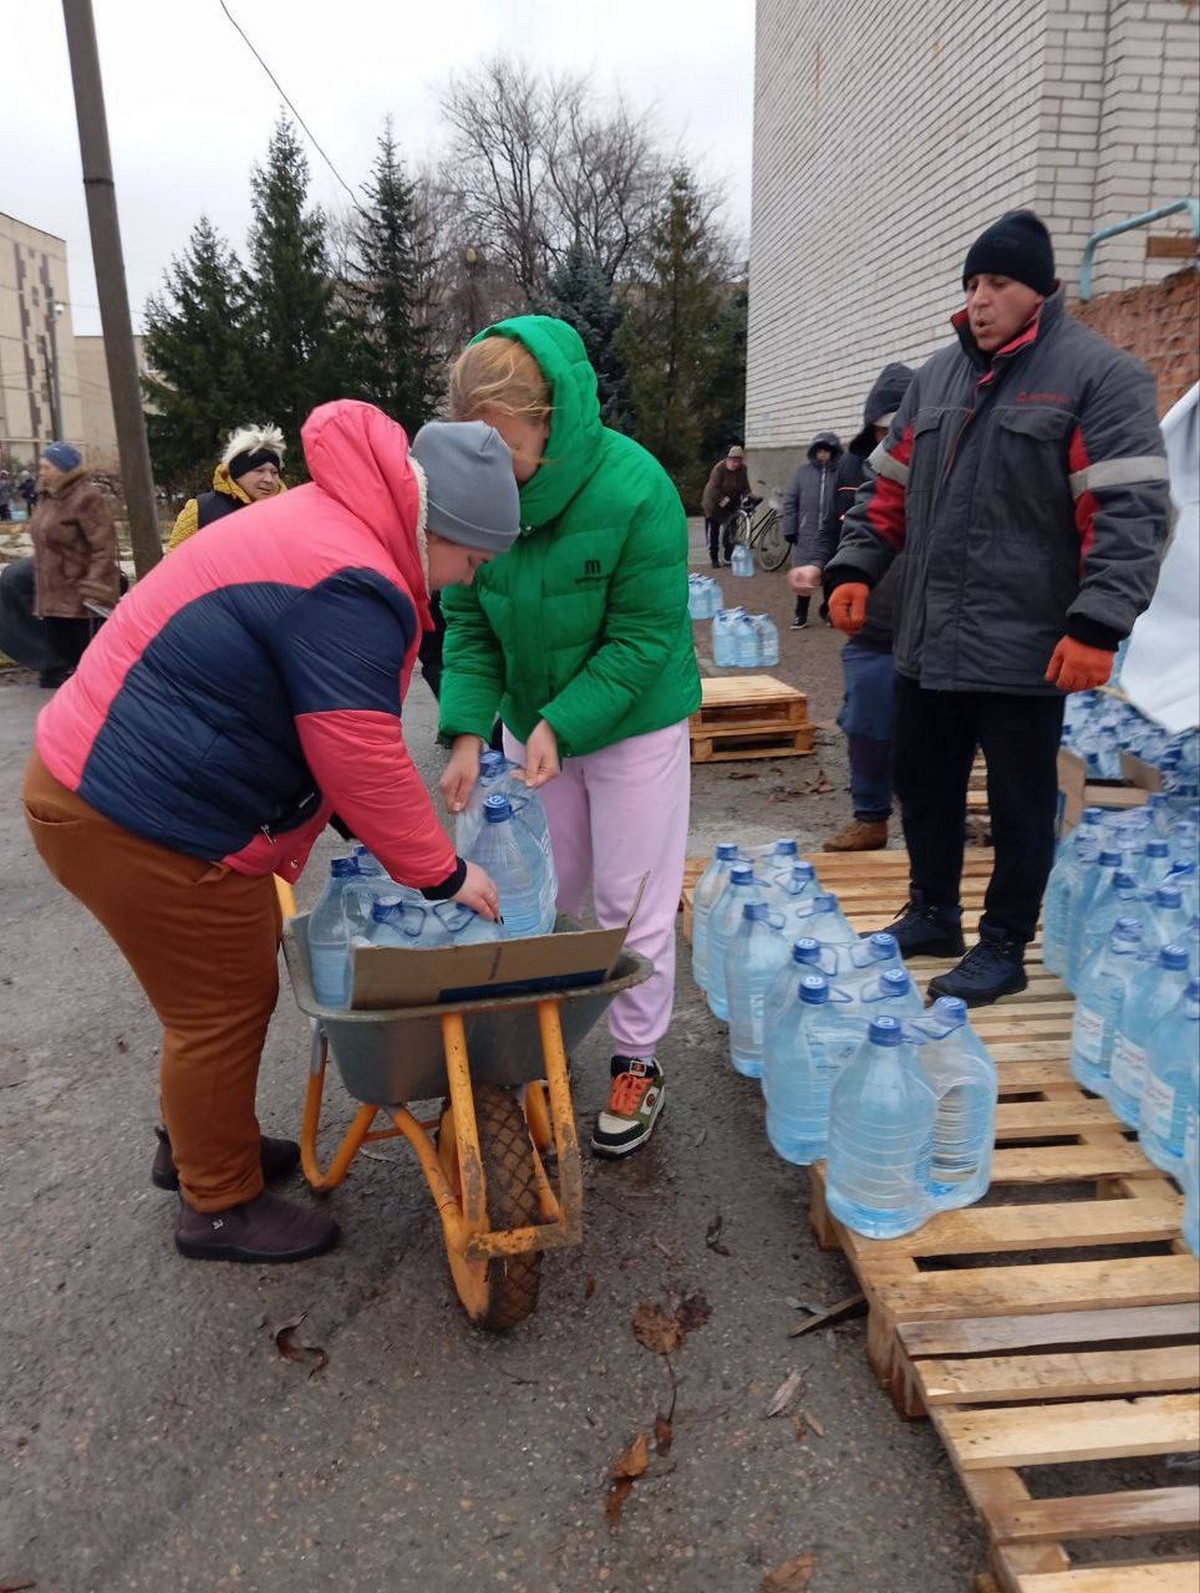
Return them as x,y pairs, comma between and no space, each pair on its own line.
814,1424
785,1394
801,1428
664,1434
701,1137
793,1576
614,1501
713,1236
293,1349
16,1587
850,1306
694,1311
632,1461
655,1330
745,774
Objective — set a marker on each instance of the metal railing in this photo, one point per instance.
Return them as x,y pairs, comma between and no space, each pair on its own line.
1192,206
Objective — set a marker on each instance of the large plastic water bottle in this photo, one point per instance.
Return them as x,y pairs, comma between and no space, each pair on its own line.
768,640
807,956
1121,898
1076,858
741,888
724,648
1104,987
1157,990
1095,879
797,884
808,1047
401,921
708,887
1186,878
1172,1081
1153,863
881,1120
497,776
1165,920
959,1069
869,959
510,854
742,562
753,956
494,769
331,923
1191,1180
463,926
776,859
821,917
745,641
892,993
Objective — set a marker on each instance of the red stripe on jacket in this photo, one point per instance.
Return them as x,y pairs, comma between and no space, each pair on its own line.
885,512
1086,506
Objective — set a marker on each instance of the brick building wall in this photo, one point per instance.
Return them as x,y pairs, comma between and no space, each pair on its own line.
33,278
886,137
1160,323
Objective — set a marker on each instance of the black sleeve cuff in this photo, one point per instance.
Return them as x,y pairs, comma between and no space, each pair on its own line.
336,822
1092,633
832,578
450,886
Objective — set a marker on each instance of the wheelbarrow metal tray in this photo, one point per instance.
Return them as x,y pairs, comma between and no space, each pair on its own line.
390,1055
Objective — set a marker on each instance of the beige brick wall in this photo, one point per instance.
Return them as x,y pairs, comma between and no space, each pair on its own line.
33,276
887,136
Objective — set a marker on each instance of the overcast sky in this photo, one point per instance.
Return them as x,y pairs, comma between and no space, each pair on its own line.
189,108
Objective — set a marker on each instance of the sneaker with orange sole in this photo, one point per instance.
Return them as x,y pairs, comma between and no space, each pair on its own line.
634,1102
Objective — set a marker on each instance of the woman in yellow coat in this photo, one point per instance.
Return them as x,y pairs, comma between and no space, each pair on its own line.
249,470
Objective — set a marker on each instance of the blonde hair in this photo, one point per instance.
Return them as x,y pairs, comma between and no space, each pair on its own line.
249,439
498,374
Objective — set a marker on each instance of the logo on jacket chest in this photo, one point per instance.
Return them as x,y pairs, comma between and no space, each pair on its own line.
1067,400
591,573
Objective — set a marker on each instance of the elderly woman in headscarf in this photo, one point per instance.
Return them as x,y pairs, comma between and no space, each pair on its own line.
248,472
74,557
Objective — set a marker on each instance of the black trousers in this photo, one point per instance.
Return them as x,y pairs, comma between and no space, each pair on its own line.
719,529
935,738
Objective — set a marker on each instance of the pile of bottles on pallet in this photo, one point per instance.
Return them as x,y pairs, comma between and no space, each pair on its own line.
503,829
1122,930
900,1101
1099,726
739,640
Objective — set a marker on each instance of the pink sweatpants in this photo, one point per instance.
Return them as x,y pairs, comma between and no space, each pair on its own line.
615,815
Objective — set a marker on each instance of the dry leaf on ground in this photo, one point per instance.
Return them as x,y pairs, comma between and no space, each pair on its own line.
816,1426
292,1349
630,1464
785,1394
694,1311
655,1330
793,1576
664,1434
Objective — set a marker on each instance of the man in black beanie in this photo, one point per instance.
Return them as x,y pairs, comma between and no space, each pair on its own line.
1024,476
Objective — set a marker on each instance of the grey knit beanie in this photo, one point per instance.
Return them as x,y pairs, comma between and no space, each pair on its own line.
473,498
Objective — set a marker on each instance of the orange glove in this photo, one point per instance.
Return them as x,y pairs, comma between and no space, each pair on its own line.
848,606
1077,667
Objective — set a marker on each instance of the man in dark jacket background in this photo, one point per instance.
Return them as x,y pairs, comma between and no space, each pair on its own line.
868,667
1025,478
805,508
724,490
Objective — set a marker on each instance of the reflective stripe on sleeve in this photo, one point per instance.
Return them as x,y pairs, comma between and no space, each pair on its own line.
884,464
1134,471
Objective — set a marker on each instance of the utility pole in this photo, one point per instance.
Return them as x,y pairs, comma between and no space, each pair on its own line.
56,409
119,352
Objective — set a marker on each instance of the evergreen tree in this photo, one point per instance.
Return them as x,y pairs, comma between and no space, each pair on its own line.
669,338
197,354
302,347
580,293
726,421
398,365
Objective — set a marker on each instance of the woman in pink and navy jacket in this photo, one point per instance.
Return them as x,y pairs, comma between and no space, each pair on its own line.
246,689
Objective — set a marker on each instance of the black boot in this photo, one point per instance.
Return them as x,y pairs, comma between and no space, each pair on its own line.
993,968
923,930
280,1158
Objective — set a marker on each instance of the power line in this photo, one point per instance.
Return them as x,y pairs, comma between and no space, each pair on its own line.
283,93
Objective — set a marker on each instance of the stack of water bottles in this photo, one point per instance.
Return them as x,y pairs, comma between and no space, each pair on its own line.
1122,930
744,641
503,829
705,597
900,1101
1100,725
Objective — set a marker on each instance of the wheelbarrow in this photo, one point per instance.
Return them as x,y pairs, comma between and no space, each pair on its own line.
500,1065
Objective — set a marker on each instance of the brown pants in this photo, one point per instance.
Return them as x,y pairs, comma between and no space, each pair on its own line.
203,942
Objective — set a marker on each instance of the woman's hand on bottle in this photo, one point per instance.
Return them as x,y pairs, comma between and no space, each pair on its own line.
479,892
461,773
541,756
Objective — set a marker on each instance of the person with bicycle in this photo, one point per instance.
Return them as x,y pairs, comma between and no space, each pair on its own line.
804,510
724,490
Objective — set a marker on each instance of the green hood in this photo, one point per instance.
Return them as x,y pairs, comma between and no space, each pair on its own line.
576,432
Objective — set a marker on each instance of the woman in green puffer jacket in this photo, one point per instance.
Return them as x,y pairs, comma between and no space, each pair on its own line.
579,638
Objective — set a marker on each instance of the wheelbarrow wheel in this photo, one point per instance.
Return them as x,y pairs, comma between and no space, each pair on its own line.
497,1293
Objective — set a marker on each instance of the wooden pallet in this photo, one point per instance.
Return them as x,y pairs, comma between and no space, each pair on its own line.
1054,1323
750,716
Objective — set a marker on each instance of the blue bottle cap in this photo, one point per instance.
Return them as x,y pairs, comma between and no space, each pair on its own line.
1175,957
1168,896
1124,881
490,761
1158,847
1184,870
886,1031
824,903
742,873
894,982
1092,816
882,944
343,868
1111,859
1130,928
785,849
953,1008
814,989
384,906
755,911
803,871
496,808
806,949
1193,990
727,851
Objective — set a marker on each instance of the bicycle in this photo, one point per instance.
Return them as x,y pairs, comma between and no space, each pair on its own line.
759,528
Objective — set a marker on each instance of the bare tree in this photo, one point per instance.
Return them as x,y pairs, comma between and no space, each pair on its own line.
537,167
